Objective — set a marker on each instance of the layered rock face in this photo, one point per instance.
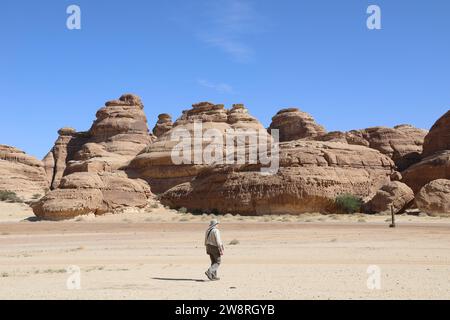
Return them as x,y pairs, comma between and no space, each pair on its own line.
434,198
67,144
294,124
439,137
434,167
92,192
395,195
163,125
156,164
118,134
21,173
85,168
403,143
100,170
435,163
311,175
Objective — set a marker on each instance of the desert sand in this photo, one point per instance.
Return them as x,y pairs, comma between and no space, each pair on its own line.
158,254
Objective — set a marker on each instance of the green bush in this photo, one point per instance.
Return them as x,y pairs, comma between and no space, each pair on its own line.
9,196
348,203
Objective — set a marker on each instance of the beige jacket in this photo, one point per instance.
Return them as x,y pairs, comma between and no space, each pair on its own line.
212,237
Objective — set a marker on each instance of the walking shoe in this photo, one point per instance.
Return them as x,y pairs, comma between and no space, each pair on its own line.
210,277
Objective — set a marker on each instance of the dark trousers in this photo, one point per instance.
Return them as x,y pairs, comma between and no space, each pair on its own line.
214,255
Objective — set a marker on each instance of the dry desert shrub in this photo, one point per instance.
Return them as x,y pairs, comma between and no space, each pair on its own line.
9,196
183,210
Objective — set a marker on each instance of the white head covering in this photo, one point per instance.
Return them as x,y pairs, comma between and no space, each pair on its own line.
213,223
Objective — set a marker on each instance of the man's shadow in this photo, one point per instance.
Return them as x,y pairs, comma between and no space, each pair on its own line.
179,279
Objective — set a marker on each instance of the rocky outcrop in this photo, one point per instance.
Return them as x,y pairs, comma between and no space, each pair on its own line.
403,143
434,198
294,124
395,195
118,134
85,168
431,168
310,176
438,139
92,193
163,125
21,173
67,144
435,163
156,164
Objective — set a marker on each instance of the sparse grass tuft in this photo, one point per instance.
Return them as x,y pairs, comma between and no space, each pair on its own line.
36,196
55,271
234,242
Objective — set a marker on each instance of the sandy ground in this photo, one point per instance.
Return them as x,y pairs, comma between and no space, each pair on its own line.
159,254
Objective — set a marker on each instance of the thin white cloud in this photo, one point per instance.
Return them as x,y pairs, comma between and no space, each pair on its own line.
226,25
219,87
239,51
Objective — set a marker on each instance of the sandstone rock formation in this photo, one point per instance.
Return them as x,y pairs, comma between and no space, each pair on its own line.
350,137
85,168
431,168
118,134
92,192
156,164
67,144
403,143
21,173
100,170
435,163
294,124
311,175
438,139
163,125
393,194
434,198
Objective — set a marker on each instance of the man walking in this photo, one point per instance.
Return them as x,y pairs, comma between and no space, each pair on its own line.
214,248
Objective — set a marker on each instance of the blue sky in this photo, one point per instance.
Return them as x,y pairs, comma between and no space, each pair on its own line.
317,55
